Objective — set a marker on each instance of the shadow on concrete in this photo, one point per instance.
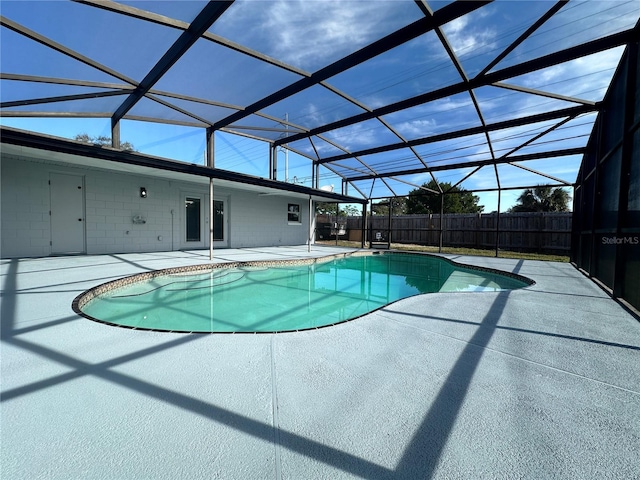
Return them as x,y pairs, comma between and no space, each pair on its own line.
516,329
41,326
9,299
420,458
305,446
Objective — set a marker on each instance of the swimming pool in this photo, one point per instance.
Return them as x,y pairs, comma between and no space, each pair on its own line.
260,297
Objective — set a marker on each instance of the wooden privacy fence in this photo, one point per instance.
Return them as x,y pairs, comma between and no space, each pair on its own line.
539,232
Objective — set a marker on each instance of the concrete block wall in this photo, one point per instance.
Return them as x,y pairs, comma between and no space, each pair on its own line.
113,199
261,220
25,225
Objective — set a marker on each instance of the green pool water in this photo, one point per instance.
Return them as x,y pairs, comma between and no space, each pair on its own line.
285,298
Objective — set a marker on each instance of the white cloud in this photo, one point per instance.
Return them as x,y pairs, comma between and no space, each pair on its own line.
466,38
586,77
416,128
448,104
354,136
338,28
420,178
445,114
311,114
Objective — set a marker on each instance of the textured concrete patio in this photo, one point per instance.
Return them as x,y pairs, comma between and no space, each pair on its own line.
537,383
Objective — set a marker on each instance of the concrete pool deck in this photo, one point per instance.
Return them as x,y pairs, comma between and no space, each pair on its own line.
542,382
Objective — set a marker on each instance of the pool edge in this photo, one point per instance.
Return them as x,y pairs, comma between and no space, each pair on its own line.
83,298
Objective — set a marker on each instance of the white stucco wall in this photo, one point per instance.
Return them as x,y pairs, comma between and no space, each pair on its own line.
112,200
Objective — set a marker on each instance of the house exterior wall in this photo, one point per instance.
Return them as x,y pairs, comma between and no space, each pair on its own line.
112,200
24,210
260,220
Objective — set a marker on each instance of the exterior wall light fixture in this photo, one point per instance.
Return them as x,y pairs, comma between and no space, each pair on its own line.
143,192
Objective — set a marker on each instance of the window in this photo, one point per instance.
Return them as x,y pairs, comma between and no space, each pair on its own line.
293,213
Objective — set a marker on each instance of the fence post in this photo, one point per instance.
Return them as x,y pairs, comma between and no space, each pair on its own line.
441,222
389,232
363,227
337,219
498,225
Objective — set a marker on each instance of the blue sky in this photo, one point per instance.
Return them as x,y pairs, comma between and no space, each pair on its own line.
310,35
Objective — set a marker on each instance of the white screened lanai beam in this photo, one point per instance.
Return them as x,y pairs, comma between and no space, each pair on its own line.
207,16
354,157
552,59
64,81
530,141
422,4
63,98
145,15
542,93
37,37
479,163
540,117
403,35
169,22
526,34
173,23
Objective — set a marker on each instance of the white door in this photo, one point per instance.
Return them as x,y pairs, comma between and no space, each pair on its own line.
196,223
220,227
67,213
193,232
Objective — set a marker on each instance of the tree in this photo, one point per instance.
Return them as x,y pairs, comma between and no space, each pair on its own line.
329,208
326,208
351,211
399,207
542,199
420,201
102,141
